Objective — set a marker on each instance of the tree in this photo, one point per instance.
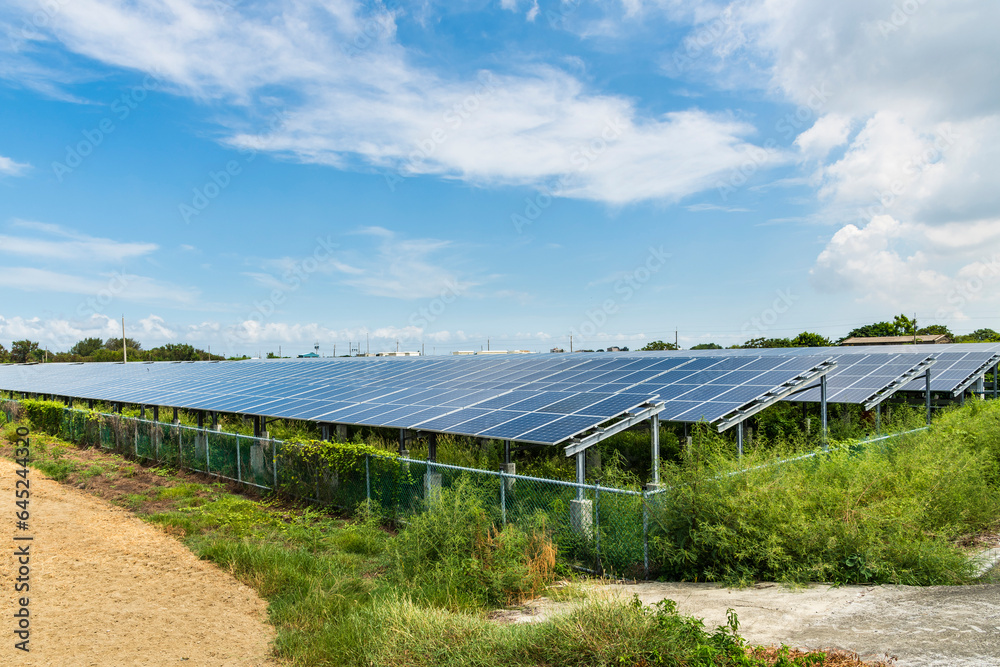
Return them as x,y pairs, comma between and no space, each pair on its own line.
658,345
4,354
706,346
980,336
904,325
173,352
936,330
808,339
765,342
20,351
116,344
88,346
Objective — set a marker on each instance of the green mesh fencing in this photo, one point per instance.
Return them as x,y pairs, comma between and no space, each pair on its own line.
594,527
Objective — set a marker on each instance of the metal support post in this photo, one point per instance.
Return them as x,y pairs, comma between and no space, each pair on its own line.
822,408
980,387
927,394
581,472
506,451
878,419
156,413
142,409
654,424
739,439
324,430
432,447
177,419
995,382
215,420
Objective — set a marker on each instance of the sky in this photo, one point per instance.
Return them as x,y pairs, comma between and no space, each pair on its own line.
459,175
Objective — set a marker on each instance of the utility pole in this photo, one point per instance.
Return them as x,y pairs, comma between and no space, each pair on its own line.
124,347
571,342
676,341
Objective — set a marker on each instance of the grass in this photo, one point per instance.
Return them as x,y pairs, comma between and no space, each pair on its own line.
354,593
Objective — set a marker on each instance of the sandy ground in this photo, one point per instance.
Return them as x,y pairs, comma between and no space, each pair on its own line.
108,589
937,625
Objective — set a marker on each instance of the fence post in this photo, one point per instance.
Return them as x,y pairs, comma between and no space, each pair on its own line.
208,463
368,478
274,463
503,497
239,461
597,525
645,535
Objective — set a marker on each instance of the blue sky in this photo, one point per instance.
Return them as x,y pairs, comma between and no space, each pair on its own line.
244,175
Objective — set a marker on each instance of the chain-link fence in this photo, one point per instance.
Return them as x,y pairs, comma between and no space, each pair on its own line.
599,528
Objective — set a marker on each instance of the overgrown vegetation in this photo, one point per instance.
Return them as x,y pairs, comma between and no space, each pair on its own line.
897,511
344,592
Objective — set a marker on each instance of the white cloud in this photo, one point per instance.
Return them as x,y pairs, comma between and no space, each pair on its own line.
69,245
117,285
899,266
10,168
339,90
826,134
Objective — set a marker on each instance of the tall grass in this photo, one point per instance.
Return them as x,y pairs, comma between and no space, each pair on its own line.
888,512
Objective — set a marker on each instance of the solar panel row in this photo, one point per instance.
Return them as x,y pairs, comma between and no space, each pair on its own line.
544,399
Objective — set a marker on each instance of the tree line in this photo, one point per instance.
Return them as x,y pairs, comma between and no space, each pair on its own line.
96,350
901,325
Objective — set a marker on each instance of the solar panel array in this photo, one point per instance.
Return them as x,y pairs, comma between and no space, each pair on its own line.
865,379
956,367
543,399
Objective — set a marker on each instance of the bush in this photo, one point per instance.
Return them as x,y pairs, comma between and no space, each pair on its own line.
891,513
454,556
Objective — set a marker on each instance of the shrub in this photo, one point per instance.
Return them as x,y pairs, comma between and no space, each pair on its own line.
890,513
453,555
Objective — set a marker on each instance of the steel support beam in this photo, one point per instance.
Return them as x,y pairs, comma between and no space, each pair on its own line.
927,394
654,426
739,439
581,472
822,408
579,444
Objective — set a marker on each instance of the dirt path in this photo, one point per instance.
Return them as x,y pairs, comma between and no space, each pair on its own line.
108,589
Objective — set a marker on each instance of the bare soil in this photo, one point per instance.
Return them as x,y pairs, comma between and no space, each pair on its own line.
109,589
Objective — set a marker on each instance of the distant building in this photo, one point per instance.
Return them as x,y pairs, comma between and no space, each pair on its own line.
938,339
310,355
463,352
557,350
398,354
614,348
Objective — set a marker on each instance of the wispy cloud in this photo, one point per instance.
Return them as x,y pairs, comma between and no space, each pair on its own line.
359,107
10,168
67,245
